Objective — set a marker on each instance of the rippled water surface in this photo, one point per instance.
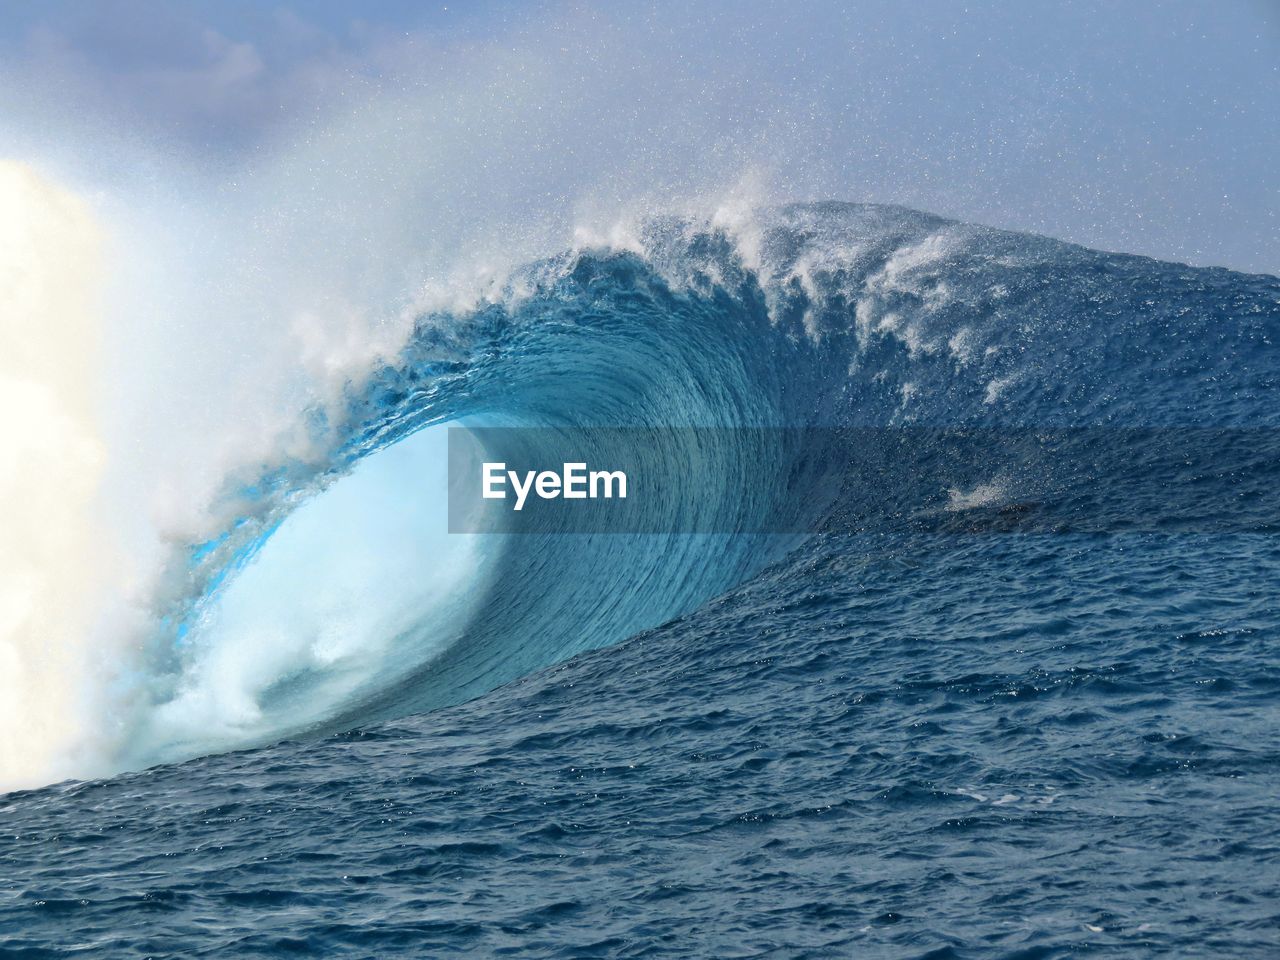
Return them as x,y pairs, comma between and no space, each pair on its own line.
1017,746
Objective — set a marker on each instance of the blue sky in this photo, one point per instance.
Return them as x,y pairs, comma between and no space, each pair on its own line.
1151,127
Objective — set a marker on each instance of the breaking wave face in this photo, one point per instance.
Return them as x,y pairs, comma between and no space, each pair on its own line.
332,597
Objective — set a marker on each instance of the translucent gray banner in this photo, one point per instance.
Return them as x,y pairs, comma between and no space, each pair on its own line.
865,480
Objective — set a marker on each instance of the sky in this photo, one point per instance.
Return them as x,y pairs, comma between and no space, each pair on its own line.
1149,127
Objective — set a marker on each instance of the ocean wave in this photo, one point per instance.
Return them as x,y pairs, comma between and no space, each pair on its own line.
824,315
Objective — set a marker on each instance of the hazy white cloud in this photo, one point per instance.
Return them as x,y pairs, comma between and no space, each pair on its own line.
171,73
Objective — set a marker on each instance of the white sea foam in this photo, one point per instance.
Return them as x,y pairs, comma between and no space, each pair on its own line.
982,495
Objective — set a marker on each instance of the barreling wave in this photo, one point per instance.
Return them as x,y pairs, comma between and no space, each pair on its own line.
333,600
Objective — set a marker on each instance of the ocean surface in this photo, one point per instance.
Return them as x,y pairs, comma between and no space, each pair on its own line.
996,735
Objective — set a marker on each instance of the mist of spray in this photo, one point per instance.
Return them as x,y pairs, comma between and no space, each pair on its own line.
51,555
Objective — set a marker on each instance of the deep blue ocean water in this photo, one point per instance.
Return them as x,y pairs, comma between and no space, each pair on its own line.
964,744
